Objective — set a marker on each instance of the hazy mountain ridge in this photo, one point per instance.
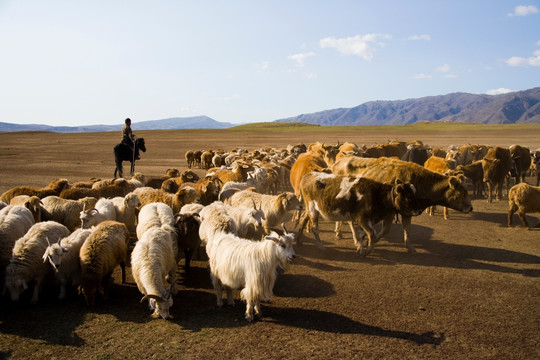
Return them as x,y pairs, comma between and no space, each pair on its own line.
519,107
196,122
511,108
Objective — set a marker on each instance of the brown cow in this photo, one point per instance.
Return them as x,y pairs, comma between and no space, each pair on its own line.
431,188
496,165
441,166
476,174
521,156
354,199
306,163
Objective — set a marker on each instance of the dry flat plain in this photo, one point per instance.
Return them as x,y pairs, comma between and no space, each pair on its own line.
471,292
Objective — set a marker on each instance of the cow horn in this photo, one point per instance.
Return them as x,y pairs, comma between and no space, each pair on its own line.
149,296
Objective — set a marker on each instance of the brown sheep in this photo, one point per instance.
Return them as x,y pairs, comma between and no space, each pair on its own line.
102,251
156,181
173,184
184,196
523,198
54,188
207,189
238,175
121,187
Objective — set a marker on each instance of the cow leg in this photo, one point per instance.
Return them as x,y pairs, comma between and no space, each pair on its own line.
315,231
445,213
499,191
490,188
406,222
354,231
337,230
387,224
365,224
302,224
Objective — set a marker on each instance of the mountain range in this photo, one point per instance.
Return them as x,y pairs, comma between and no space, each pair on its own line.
511,108
519,107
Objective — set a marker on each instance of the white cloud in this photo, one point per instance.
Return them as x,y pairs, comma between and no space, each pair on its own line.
300,59
262,66
359,45
311,75
422,77
523,10
520,61
498,91
444,68
419,37
450,76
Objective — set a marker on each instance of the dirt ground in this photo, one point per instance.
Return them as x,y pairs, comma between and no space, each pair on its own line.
471,292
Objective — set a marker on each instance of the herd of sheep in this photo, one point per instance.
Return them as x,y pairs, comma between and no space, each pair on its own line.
75,235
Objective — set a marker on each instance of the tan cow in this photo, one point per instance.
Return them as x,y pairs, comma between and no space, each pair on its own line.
356,200
431,188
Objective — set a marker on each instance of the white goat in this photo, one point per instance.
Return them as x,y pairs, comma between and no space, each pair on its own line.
275,207
152,264
239,263
64,258
248,221
158,215
214,218
26,263
104,211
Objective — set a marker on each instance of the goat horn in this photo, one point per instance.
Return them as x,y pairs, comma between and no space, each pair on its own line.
284,228
159,298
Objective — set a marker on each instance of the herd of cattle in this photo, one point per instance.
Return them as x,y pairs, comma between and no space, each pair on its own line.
76,234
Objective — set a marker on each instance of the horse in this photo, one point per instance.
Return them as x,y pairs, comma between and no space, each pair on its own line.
122,152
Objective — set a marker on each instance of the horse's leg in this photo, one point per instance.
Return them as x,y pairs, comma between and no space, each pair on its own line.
132,167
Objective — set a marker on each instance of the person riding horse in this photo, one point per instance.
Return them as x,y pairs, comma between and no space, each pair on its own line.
128,138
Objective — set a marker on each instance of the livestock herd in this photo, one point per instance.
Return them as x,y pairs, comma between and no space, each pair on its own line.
74,235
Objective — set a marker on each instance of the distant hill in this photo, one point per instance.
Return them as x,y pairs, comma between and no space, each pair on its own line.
521,107
512,108
196,122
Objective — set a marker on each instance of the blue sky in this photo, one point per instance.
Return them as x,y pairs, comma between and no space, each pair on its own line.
98,62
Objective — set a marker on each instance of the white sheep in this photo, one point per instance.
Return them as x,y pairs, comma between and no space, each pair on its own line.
63,256
103,211
214,218
126,209
193,208
158,215
15,221
275,207
153,264
239,263
65,211
26,264
32,203
101,253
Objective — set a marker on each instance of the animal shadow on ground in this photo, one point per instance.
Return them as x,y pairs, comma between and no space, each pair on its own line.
50,320
302,286
317,320
442,254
